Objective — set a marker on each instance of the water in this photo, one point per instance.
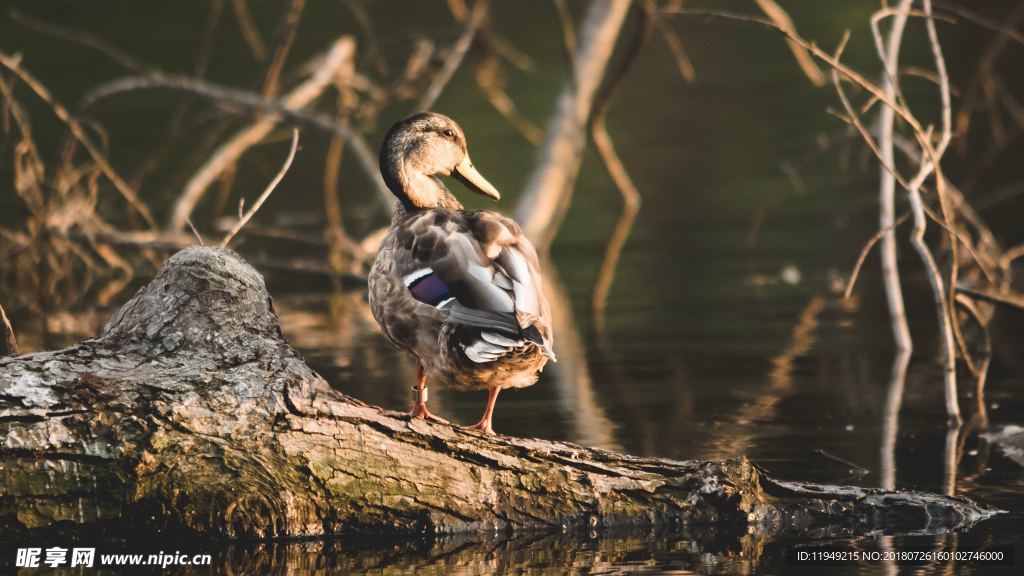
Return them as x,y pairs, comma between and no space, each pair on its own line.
724,333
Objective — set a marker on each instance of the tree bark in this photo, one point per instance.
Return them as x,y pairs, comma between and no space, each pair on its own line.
190,411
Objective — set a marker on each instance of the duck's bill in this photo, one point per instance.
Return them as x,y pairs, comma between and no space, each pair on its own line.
467,174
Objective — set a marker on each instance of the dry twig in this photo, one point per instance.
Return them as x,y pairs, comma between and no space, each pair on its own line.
783,21
271,108
195,232
943,303
266,193
867,250
965,303
13,63
675,47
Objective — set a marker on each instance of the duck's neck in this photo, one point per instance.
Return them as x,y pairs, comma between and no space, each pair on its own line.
416,190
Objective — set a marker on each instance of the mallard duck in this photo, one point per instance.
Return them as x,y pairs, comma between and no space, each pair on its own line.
458,289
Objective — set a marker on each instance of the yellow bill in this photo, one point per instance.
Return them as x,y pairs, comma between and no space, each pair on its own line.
468,175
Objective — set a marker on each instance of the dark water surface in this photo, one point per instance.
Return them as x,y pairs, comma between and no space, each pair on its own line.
725,332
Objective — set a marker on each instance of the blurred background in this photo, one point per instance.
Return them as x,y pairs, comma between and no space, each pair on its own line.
711,326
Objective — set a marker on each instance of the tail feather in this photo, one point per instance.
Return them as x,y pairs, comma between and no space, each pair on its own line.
499,340
533,335
482,351
500,322
487,346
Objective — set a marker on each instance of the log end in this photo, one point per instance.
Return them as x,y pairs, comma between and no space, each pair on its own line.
201,296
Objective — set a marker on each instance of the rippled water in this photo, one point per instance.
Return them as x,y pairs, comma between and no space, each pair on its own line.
724,332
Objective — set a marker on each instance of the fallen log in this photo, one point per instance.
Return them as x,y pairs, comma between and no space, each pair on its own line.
191,412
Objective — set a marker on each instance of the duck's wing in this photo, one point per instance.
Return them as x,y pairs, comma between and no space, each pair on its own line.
479,269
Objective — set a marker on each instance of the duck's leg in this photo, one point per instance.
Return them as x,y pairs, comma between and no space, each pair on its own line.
484,425
419,396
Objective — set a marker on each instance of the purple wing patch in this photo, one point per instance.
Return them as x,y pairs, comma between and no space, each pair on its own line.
430,289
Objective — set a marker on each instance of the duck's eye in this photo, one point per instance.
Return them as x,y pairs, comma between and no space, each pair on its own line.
448,133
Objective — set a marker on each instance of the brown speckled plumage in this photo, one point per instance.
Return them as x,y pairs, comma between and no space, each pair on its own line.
481,255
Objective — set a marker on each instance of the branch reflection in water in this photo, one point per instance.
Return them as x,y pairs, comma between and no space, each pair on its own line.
675,552
890,420
740,436
589,424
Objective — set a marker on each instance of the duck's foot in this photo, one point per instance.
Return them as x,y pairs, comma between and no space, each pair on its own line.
420,411
483,426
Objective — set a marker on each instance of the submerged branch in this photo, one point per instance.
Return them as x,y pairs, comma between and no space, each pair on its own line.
931,154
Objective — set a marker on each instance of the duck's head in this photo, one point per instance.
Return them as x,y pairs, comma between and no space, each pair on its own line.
419,149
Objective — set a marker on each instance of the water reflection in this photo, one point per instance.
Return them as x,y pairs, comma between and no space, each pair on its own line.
640,552
701,550
749,416
589,424
891,421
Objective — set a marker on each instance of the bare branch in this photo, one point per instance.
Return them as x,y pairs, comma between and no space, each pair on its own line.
929,165
487,75
286,36
675,46
965,303
549,187
844,70
455,57
565,23
1011,255
249,30
889,55
1009,300
952,337
803,59
229,152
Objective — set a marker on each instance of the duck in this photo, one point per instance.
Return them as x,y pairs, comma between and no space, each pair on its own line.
459,290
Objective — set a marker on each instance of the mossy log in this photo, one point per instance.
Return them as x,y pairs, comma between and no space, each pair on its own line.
190,411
